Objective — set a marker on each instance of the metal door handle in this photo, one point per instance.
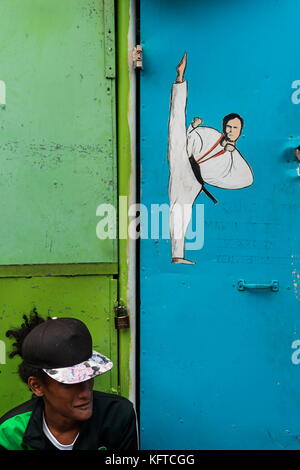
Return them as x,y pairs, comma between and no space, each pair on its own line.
273,285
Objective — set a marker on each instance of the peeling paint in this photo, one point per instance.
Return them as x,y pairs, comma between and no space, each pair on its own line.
295,276
2,93
2,352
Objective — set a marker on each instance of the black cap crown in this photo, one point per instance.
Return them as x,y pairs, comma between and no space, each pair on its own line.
56,343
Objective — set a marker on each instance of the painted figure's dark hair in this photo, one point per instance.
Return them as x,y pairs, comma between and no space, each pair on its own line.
229,117
19,334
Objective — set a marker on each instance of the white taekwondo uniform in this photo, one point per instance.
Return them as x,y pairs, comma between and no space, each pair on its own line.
218,167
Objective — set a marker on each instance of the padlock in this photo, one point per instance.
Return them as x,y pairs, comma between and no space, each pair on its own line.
121,317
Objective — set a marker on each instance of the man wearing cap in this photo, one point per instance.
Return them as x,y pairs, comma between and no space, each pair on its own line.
59,366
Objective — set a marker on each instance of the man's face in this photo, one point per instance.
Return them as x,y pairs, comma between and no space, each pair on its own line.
70,401
233,129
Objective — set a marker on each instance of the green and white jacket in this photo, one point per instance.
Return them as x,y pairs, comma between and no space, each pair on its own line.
112,426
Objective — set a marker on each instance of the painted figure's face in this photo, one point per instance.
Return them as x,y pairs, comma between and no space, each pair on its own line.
233,129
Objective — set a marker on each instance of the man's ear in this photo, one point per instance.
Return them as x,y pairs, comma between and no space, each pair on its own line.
36,386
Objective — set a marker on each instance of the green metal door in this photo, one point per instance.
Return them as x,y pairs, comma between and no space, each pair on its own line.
57,130
89,298
58,166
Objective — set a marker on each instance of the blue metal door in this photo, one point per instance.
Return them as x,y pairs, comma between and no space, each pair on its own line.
220,338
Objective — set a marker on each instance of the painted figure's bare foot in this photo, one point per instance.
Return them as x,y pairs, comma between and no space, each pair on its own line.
182,261
181,69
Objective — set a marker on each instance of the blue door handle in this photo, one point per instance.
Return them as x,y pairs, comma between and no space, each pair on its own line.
273,285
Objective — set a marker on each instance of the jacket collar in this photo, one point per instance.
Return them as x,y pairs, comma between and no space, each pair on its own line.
35,438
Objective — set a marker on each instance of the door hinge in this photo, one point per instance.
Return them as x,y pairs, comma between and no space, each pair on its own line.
137,56
121,317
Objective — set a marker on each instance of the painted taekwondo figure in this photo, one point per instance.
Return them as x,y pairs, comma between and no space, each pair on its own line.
59,366
199,155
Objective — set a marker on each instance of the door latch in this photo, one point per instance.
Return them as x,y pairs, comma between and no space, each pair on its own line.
273,285
121,317
137,56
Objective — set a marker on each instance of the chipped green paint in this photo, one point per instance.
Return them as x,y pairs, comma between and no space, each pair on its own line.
57,139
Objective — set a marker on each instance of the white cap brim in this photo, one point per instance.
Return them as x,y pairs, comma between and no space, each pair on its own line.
96,365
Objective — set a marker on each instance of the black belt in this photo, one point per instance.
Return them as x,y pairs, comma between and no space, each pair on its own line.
197,173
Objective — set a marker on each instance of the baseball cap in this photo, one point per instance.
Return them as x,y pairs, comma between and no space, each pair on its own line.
62,348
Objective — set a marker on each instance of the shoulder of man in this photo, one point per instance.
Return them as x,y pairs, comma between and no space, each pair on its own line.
105,401
116,416
14,424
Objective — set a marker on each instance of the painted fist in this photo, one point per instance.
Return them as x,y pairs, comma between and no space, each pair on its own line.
197,121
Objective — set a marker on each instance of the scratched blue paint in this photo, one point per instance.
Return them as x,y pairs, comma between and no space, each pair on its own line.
216,369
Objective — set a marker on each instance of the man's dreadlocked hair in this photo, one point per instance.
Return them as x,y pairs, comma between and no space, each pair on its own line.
19,334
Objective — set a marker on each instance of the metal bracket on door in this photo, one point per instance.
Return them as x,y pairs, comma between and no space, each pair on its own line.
137,57
273,285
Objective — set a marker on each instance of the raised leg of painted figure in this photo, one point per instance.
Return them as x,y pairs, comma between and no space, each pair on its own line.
183,186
